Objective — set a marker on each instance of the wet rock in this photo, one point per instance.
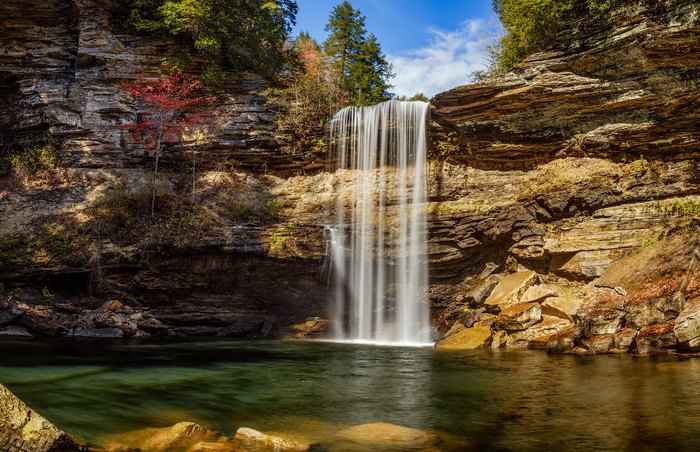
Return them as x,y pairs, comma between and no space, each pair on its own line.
259,439
625,340
510,289
23,429
10,316
225,446
562,341
103,333
658,338
14,330
312,328
40,323
599,343
601,313
687,326
383,436
519,317
463,338
181,436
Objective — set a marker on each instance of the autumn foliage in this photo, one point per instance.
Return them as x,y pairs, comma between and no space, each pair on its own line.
168,110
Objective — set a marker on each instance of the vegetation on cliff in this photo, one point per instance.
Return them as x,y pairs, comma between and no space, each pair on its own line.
349,68
533,25
233,34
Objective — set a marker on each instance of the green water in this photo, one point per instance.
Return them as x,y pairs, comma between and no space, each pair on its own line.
517,400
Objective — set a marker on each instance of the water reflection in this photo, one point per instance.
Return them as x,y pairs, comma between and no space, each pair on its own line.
498,400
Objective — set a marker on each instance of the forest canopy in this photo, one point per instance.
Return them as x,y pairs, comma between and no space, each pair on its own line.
231,34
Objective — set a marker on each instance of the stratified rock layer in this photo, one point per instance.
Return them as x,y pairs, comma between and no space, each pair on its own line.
618,85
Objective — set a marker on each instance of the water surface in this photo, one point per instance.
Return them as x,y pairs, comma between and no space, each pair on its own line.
509,400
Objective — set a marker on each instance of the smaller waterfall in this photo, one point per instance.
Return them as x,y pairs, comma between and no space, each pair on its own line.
379,240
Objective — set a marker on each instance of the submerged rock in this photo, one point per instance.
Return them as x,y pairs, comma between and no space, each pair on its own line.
24,430
259,439
384,436
181,436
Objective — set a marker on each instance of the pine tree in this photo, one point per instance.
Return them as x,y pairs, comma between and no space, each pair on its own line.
356,59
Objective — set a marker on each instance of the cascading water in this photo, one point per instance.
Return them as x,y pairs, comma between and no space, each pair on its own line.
379,240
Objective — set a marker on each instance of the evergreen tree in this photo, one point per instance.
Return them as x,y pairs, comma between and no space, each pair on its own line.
356,59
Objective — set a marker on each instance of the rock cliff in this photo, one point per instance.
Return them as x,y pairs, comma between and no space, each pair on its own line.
604,130
563,196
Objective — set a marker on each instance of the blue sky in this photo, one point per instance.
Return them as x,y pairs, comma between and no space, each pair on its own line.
432,45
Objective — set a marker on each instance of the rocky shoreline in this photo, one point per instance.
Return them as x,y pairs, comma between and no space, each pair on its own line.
23,429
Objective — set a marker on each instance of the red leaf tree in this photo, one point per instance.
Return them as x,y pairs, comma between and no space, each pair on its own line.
168,109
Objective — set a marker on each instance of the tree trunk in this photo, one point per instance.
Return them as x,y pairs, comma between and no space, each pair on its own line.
153,191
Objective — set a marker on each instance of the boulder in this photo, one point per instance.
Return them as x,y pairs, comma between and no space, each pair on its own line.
602,312
599,343
23,429
14,330
181,436
687,326
384,436
312,328
561,307
463,338
658,338
538,294
103,333
624,340
255,438
519,317
510,289
478,294
562,341
537,335
10,316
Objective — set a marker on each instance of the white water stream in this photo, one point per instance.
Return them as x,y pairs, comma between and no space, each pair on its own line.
379,240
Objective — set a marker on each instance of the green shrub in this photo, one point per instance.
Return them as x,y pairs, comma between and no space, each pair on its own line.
29,161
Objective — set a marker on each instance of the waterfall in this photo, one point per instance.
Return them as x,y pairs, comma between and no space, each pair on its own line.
379,240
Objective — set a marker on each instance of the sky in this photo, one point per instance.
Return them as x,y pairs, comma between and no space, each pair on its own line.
433,45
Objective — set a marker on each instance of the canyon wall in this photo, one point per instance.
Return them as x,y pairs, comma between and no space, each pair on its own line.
563,196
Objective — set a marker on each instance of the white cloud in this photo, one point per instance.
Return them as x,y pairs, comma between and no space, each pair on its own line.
445,63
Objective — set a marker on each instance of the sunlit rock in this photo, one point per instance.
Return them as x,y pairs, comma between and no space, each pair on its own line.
180,436
277,443
561,307
510,289
24,430
519,317
465,338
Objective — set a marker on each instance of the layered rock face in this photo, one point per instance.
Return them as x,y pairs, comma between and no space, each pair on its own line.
62,67
593,247
563,196
617,86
